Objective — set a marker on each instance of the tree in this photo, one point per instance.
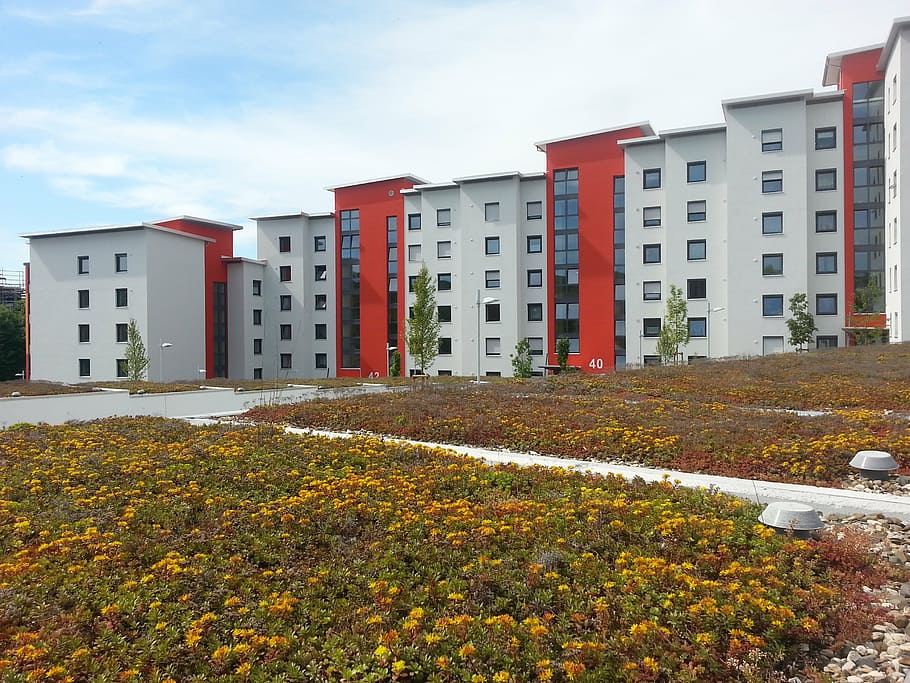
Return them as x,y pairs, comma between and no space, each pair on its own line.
522,362
395,365
562,353
802,324
423,325
12,340
674,333
137,358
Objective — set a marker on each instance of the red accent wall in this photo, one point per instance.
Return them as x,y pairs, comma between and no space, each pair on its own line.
28,338
855,68
375,201
598,159
215,271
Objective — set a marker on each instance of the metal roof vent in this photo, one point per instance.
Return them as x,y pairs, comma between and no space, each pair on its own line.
801,519
874,464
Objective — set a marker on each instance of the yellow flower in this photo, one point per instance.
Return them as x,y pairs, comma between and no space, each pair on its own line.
467,650
381,652
501,677
398,666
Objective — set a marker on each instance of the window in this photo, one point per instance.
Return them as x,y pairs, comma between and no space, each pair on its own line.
285,361
535,312
119,263
84,334
257,373
535,211
444,314
284,331
772,264
321,302
321,360
491,246
491,279
651,290
696,172
826,221
443,250
257,316
444,282
826,138
319,243
85,367
320,331
84,298
257,287
491,313
771,345
651,253
257,347
825,179
284,243
826,304
443,217
412,282
535,278
696,250
826,341
445,346
321,272
772,181
493,346
285,302
650,327
651,178
698,327
82,265
697,288
123,367
413,221
772,223
650,216
121,332
536,344
772,305
826,262
772,140
491,212
535,244
696,212
414,252
284,273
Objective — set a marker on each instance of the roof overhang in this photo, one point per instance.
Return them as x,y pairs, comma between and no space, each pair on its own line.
112,228
643,126
417,180
771,98
899,25
201,221
831,74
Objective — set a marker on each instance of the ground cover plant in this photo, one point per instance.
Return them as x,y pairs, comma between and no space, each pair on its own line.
146,549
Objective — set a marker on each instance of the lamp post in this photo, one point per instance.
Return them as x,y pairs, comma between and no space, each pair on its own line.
388,360
164,345
708,327
486,300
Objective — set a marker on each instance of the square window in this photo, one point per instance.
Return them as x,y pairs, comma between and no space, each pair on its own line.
535,244
321,360
696,250
697,288
321,272
320,331
772,264
535,312
651,253
257,316
84,298
284,273
443,250
85,367
650,216
285,302
651,290
698,327
284,331
257,373
535,211
443,217
491,212
82,265
84,334
696,172
444,314
445,346
825,179
491,279
257,287
257,347
650,327
826,304
444,282
826,221
772,305
826,262
536,344
826,342
771,345
285,361
772,181
119,263
123,368
697,211
493,346
414,251
826,138
284,244
319,243
122,333
535,278
772,223
413,221
321,302
772,140
651,178
491,313
121,297
491,246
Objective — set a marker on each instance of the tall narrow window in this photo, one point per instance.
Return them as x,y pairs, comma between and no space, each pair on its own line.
350,286
84,298
284,243
85,367
565,254
84,333
535,211
443,218
319,243
82,265
122,333
284,273
121,297
119,263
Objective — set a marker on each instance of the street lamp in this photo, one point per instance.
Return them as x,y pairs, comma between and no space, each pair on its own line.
486,300
388,360
708,327
164,345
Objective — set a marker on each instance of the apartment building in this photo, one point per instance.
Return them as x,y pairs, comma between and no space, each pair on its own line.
793,192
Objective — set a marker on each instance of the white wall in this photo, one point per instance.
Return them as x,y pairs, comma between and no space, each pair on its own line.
241,301
897,212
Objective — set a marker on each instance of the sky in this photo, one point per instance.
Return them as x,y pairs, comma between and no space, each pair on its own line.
121,111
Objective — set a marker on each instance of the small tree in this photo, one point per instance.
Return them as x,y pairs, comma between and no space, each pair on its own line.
562,353
522,362
395,365
423,325
137,358
674,333
802,324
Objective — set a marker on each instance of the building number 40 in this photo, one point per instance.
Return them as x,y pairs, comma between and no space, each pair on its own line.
596,364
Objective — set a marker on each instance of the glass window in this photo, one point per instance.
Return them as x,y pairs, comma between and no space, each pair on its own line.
85,367
491,212
443,217
770,345
772,181
257,373
826,138
698,327
82,265
651,290
697,211
535,312
444,282
491,279
414,252
772,223
696,172
413,221
319,243
535,244
826,262
651,178
826,221
257,347
284,331
285,361
285,302
284,243
121,297
121,333
536,344
321,360
257,316
284,273
491,313
825,179
772,264
491,246
535,278
84,334
651,253
650,327
772,305
321,302
535,211
119,263
321,272
257,287
123,367
826,304
412,282
650,216
320,331
772,140
445,346
84,298
826,342
696,250
493,346
697,288
443,250
444,314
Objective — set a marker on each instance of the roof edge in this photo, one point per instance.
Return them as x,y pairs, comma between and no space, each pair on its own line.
417,180
644,126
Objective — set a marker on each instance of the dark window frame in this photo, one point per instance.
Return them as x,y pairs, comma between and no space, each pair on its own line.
444,282
694,243
492,281
825,215
534,244
319,243
284,244
824,130
772,145
697,216
443,223
767,264
823,173
121,263
651,222
284,302
535,312
651,296
647,252
774,303
825,297
822,257
535,275
650,178
538,214
84,294
650,327
284,273
696,286
492,242
694,165
766,223
83,265
770,184
84,333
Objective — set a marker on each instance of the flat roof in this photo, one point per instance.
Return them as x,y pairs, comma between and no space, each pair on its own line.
295,214
243,259
505,175
204,221
694,130
645,127
896,27
820,97
112,228
639,141
417,180
770,98
430,186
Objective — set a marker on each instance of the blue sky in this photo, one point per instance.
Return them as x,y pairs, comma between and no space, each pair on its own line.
116,111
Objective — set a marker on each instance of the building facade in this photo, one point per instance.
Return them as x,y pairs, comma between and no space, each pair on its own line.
793,193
